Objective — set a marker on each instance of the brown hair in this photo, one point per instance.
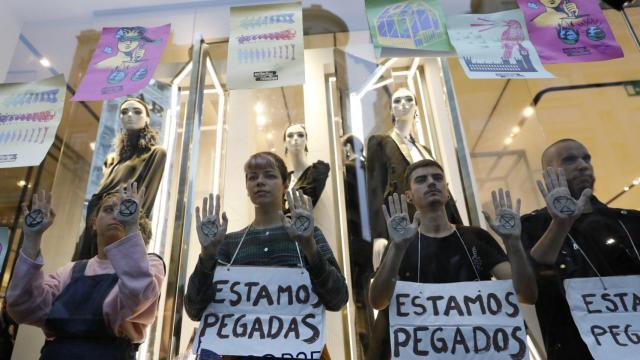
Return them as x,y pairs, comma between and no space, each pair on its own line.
417,165
143,223
267,160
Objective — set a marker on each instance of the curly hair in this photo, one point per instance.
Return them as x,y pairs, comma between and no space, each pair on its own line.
142,142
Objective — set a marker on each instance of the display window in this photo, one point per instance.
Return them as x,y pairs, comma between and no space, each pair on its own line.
347,133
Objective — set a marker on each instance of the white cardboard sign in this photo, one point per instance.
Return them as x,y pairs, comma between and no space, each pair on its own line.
465,320
608,319
262,311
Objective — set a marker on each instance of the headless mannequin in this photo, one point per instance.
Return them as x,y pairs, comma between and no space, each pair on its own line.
137,158
310,178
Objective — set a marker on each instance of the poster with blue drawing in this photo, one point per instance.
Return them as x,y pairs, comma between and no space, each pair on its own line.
29,117
495,46
266,46
124,62
411,24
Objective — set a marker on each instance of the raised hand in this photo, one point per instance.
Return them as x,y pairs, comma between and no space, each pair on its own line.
41,216
571,9
560,203
507,222
211,231
128,206
400,228
300,226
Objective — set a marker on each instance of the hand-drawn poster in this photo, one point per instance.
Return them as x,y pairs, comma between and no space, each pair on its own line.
412,24
569,31
266,46
495,46
123,63
29,117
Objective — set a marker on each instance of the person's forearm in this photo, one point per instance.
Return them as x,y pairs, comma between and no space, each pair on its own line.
31,246
524,281
546,250
384,282
200,290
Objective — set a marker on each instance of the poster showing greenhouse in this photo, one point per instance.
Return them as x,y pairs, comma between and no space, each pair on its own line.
411,24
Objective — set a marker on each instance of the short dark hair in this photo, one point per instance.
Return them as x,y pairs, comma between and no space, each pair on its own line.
306,135
143,222
267,160
356,144
544,159
417,165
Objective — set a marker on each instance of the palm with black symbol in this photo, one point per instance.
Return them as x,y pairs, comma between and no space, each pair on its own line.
560,203
507,222
300,225
128,205
211,231
401,229
40,217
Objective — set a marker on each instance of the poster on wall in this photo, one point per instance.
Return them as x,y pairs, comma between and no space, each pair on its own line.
569,31
495,46
608,319
124,62
29,117
274,315
266,46
465,320
412,24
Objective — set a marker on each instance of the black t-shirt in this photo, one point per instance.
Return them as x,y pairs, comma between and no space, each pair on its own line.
593,233
446,260
442,260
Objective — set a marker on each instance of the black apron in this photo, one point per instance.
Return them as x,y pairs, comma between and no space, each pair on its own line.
78,324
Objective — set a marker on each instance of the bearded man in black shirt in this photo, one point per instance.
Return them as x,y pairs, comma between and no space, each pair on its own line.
575,236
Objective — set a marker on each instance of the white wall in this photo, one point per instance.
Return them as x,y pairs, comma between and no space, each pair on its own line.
9,37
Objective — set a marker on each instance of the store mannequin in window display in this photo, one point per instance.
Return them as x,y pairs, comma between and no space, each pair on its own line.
138,159
306,177
388,156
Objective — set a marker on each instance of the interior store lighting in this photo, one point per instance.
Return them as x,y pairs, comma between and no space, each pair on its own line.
22,183
259,107
45,62
261,120
92,145
508,140
528,111
515,130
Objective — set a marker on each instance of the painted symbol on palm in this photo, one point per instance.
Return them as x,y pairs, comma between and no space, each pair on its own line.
565,205
302,223
209,228
560,202
128,207
400,224
34,218
507,221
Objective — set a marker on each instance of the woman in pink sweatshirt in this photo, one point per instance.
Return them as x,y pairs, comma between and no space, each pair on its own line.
91,309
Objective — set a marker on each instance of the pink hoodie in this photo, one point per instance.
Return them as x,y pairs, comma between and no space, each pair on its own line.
128,309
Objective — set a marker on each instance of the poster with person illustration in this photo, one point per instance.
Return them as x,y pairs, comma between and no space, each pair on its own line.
411,24
266,46
566,31
123,63
29,117
495,46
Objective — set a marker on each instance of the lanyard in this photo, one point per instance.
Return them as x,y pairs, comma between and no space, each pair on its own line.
466,250
577,247
242,241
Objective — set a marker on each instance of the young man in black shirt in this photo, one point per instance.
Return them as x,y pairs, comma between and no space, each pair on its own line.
575,236
432,250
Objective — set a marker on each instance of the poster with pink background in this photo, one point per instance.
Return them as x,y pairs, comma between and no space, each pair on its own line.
569,31
123,63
